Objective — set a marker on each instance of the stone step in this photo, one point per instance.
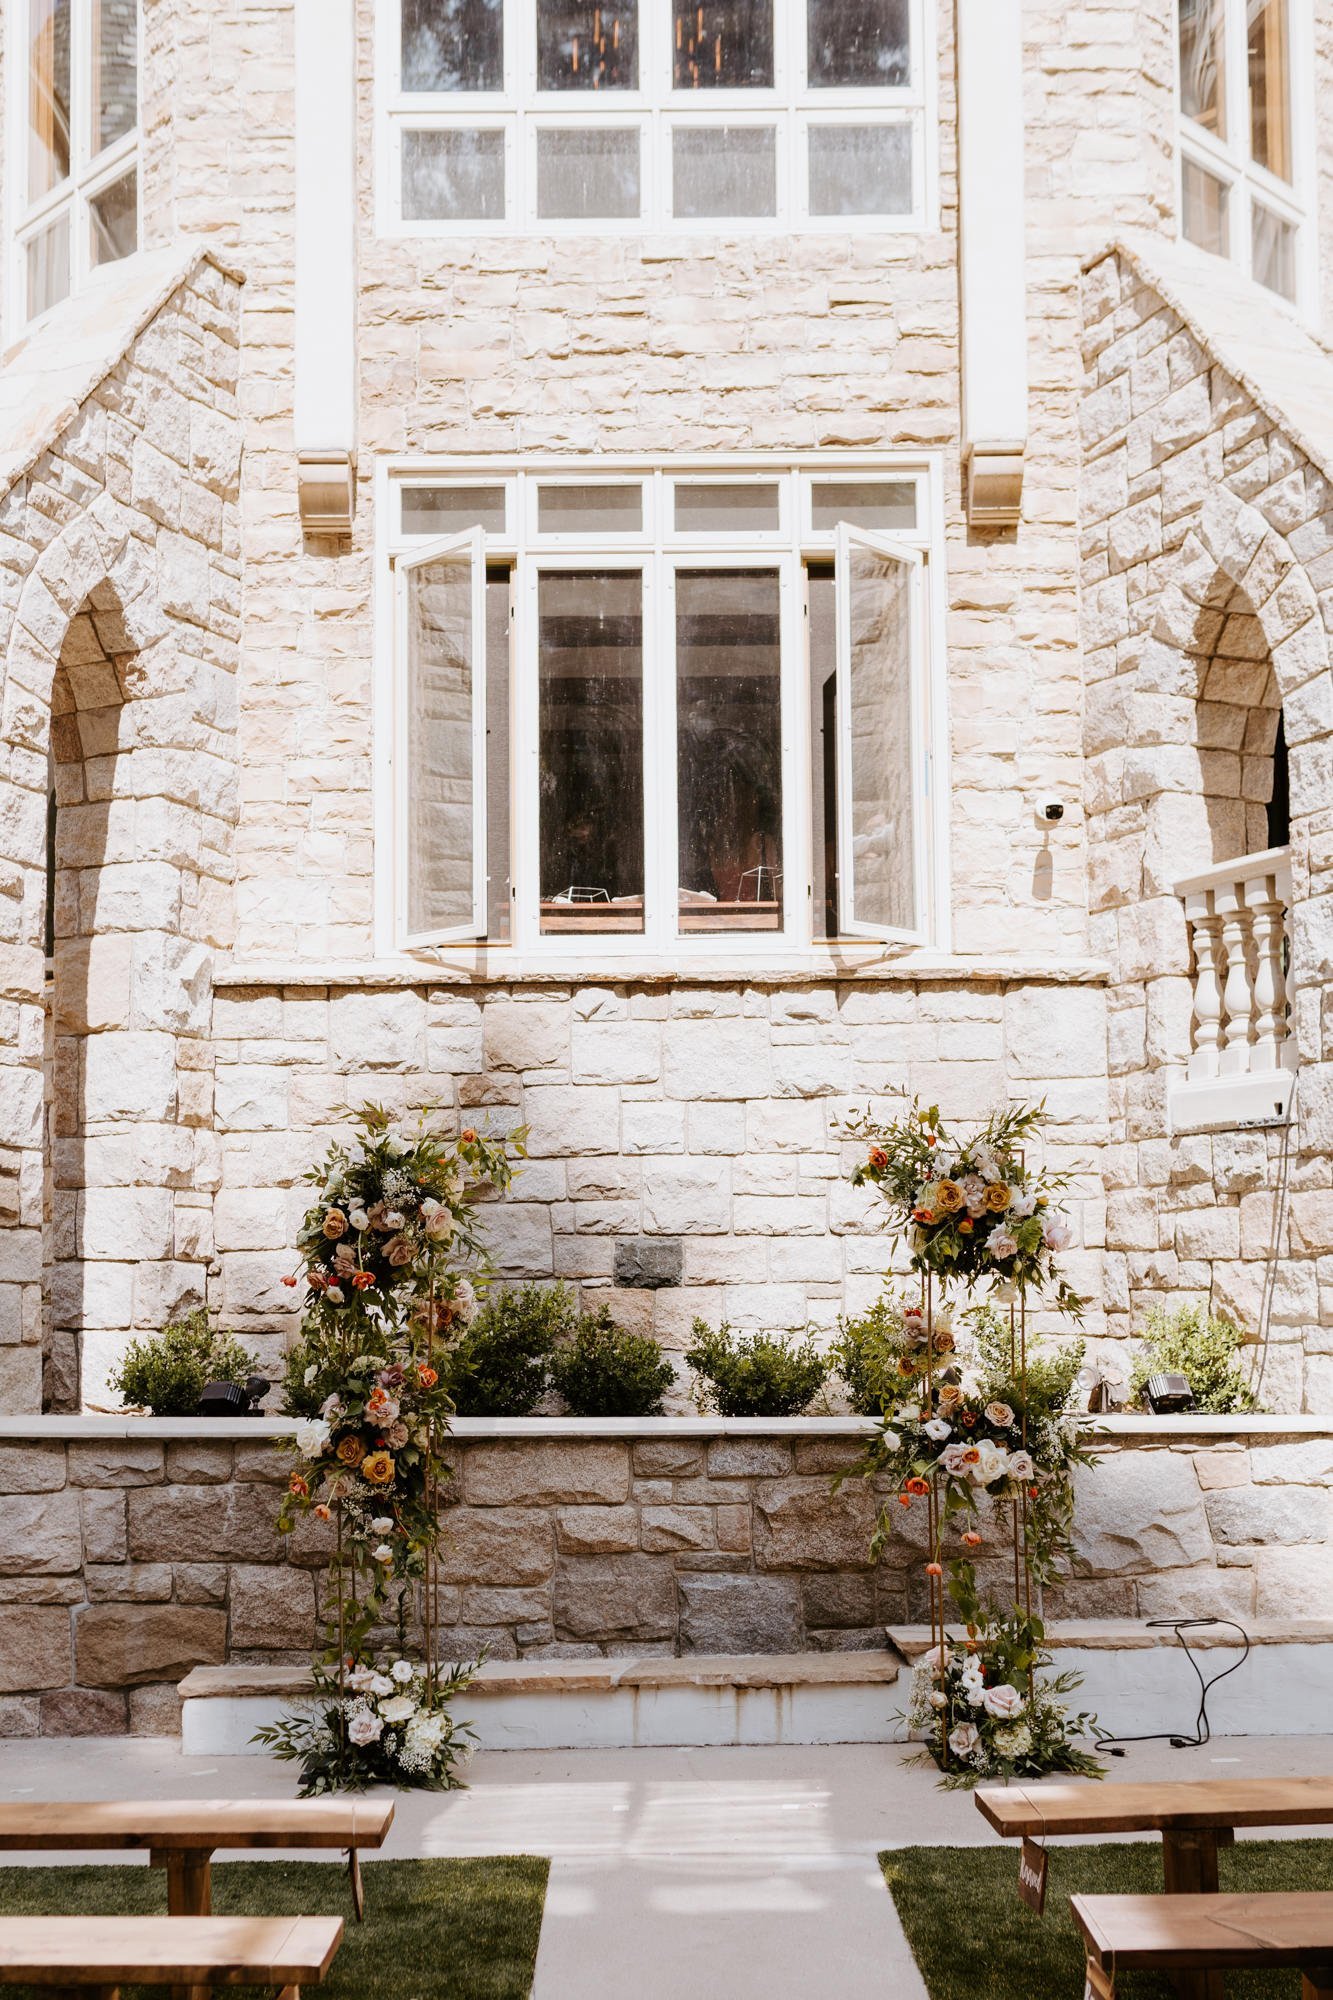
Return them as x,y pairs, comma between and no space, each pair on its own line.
619,1703
1138,1681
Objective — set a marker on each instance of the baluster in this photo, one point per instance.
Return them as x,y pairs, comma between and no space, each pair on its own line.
1205,930
1270,980
1238,988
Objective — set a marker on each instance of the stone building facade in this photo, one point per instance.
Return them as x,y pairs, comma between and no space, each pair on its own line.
255,445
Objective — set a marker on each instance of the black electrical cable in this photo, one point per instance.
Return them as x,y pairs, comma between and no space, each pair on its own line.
1114,1745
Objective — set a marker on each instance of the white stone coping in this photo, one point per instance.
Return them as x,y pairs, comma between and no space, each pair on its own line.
485,966
628,1670
221,1430
1116,1635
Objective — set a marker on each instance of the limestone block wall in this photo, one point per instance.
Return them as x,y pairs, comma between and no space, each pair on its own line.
704,1114
1207,560
130,1553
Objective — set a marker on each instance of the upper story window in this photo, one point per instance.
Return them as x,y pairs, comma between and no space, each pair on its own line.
559,115
1243,118
659,711
74,182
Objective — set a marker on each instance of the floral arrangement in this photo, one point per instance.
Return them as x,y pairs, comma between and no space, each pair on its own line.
982,1700
383,1726
971,1210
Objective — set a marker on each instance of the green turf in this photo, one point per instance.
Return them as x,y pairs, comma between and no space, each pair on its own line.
974,1940
434,1930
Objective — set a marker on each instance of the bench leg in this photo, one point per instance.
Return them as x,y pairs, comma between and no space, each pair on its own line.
189,1894
1189,1868
1317,1982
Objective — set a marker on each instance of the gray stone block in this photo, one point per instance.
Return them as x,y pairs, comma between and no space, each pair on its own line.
650,1263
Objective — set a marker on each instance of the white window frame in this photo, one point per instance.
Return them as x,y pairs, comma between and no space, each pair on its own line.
657,551
1228,161
90,173
471,542
520,110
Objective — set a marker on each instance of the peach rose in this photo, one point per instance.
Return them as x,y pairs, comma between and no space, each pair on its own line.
350,1451
998,1197
335,1224
399,1250
378,1469
950,1198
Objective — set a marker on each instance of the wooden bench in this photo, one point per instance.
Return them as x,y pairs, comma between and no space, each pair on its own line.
79,1956
1202,1936
182,1835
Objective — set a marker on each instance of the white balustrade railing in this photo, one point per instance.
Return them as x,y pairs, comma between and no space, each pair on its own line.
1242,1056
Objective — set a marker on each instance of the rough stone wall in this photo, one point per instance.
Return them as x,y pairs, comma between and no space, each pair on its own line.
709,1114
125,1563
1207,559
119,617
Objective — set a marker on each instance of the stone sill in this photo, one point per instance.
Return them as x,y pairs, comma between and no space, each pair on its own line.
221,1430
483,968
1114,1635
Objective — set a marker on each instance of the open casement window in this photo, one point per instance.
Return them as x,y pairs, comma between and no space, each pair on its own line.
881,726
440,754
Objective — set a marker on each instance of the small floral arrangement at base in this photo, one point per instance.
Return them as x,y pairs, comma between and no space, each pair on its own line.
988,1710
385,1726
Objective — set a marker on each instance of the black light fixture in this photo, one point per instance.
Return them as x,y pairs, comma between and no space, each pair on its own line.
1168,1395
230,1399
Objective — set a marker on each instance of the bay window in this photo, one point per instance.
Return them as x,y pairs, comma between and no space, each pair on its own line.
1243,120
74,199
659,709
565,114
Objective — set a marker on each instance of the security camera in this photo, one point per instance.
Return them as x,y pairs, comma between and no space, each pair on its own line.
1049,812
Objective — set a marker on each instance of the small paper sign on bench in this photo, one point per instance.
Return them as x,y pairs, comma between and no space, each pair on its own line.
1032,1865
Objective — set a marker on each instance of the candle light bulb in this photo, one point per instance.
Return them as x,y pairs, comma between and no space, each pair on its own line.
576,55
717,56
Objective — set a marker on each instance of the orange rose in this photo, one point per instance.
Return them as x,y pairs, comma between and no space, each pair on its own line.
323,1513
351,1451
298,1486
972,1538
934,1569
378,1469
468,1136
427,1377
917,1485
879,1159
362,1280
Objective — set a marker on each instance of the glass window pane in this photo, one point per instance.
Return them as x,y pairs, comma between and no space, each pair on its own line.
584,510
860,170
47,259
1270,84
453,176
879,731
453,44
499,598
582,45
724,170
583,173
115,105
590,709
729,749
855,44
727,507
1272,250
439,744
821,631
725,45
865,503
1203,217
448,510
113,217
1202,34
48,95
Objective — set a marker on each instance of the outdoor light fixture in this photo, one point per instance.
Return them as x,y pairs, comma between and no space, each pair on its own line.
229,1399
1168,1394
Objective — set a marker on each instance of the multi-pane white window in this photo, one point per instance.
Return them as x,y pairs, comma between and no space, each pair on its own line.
74,100
544,115
1243,120
660,709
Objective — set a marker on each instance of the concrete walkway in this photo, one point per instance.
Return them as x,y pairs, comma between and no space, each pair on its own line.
718,1874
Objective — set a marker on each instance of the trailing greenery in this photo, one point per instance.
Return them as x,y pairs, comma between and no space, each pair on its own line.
999,1948
755,1375
166,1372
501,1364
866,1356
1189,1340
487,1909
605,1371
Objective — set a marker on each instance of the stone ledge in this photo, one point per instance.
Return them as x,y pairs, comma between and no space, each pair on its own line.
479,969
508,1677
224,1430
1116,1635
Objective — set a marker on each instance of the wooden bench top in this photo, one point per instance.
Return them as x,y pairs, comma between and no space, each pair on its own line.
1179,1932
158,1951
43,1824
1092,1807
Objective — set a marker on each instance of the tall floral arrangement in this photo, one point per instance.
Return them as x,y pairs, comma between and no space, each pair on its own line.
391,1251
977,1438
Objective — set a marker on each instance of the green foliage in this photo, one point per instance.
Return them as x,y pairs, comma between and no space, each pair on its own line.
606,1372
166,1372
1050,1377
1203,1347
755,1375
865,1354
501,1365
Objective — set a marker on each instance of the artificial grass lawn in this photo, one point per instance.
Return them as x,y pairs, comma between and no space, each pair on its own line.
971,1936
434,1930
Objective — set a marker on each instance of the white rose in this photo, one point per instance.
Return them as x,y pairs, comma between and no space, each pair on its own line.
383,1554
358,1218
937,1430
1021,1466
312,1434
365,1728
334,1294
402,1672
1023,1204
993,1463
360,1678
891,1440
399,1709
1002,1244
938,1700
1004,1702
380,1684
381,1524
964,1738
1057,1235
